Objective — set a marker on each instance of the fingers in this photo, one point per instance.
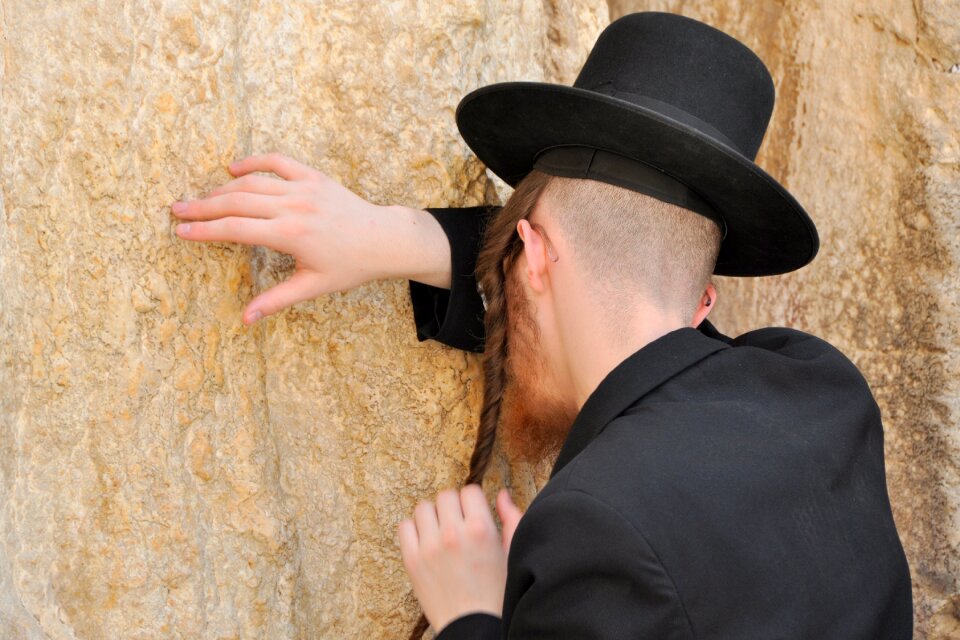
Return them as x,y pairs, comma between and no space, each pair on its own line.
409,542
448,508
474,503
247,205
456,567
284,166
450,517
425,517
453,510
510,516
253,184
236,229
299,287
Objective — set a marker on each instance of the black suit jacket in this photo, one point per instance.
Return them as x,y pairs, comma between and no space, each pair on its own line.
709,488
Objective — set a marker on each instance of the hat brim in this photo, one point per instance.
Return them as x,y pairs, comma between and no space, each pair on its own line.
507,124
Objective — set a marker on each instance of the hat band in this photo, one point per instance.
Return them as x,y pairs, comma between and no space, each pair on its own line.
607,88
576,161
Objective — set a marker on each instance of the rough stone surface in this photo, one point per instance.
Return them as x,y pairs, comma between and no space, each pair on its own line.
166,472
866,134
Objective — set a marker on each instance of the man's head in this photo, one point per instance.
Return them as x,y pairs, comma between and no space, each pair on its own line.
629,268
635,249
588,272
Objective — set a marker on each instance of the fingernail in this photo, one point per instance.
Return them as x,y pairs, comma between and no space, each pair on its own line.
179,207
256,315
183,229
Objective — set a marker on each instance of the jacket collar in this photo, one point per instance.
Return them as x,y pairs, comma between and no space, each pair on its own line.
635,377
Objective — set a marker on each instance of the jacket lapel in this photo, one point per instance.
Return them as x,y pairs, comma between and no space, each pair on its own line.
635,377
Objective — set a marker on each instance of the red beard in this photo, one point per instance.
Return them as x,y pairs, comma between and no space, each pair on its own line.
534,419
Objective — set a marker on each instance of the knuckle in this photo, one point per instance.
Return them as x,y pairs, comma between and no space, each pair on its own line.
315,189
477,530
430,550
269,307
450,538
231,200
299,204
290,227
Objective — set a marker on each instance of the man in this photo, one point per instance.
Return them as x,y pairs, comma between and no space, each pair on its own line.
708,487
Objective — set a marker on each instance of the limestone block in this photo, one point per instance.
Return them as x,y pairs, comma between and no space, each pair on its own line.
866,134
166,472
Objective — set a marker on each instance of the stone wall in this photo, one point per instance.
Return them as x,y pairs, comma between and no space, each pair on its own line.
866,134
165,471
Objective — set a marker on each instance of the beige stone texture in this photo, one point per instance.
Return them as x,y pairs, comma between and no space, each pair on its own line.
866,134
165,471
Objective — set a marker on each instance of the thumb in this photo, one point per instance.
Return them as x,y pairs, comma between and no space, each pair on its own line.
296,288
509,515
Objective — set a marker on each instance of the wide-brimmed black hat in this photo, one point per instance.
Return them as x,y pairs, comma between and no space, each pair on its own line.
665,105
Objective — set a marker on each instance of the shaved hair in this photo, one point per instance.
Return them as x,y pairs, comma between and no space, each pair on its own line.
633,244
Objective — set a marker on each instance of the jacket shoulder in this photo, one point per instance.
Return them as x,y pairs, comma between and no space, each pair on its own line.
784,350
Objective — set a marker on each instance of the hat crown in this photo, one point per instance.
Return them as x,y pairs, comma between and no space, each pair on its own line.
686,70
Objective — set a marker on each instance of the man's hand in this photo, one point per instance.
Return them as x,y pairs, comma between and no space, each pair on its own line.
338,239
456,559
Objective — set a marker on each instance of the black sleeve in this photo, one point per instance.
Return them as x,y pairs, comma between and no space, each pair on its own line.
454,316
473,626
579,569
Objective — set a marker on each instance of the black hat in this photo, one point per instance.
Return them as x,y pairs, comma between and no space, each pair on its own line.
665,105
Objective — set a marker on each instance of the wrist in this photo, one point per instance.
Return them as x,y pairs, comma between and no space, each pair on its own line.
419,245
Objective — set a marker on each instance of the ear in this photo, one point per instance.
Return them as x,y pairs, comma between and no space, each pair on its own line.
535,256
707,302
